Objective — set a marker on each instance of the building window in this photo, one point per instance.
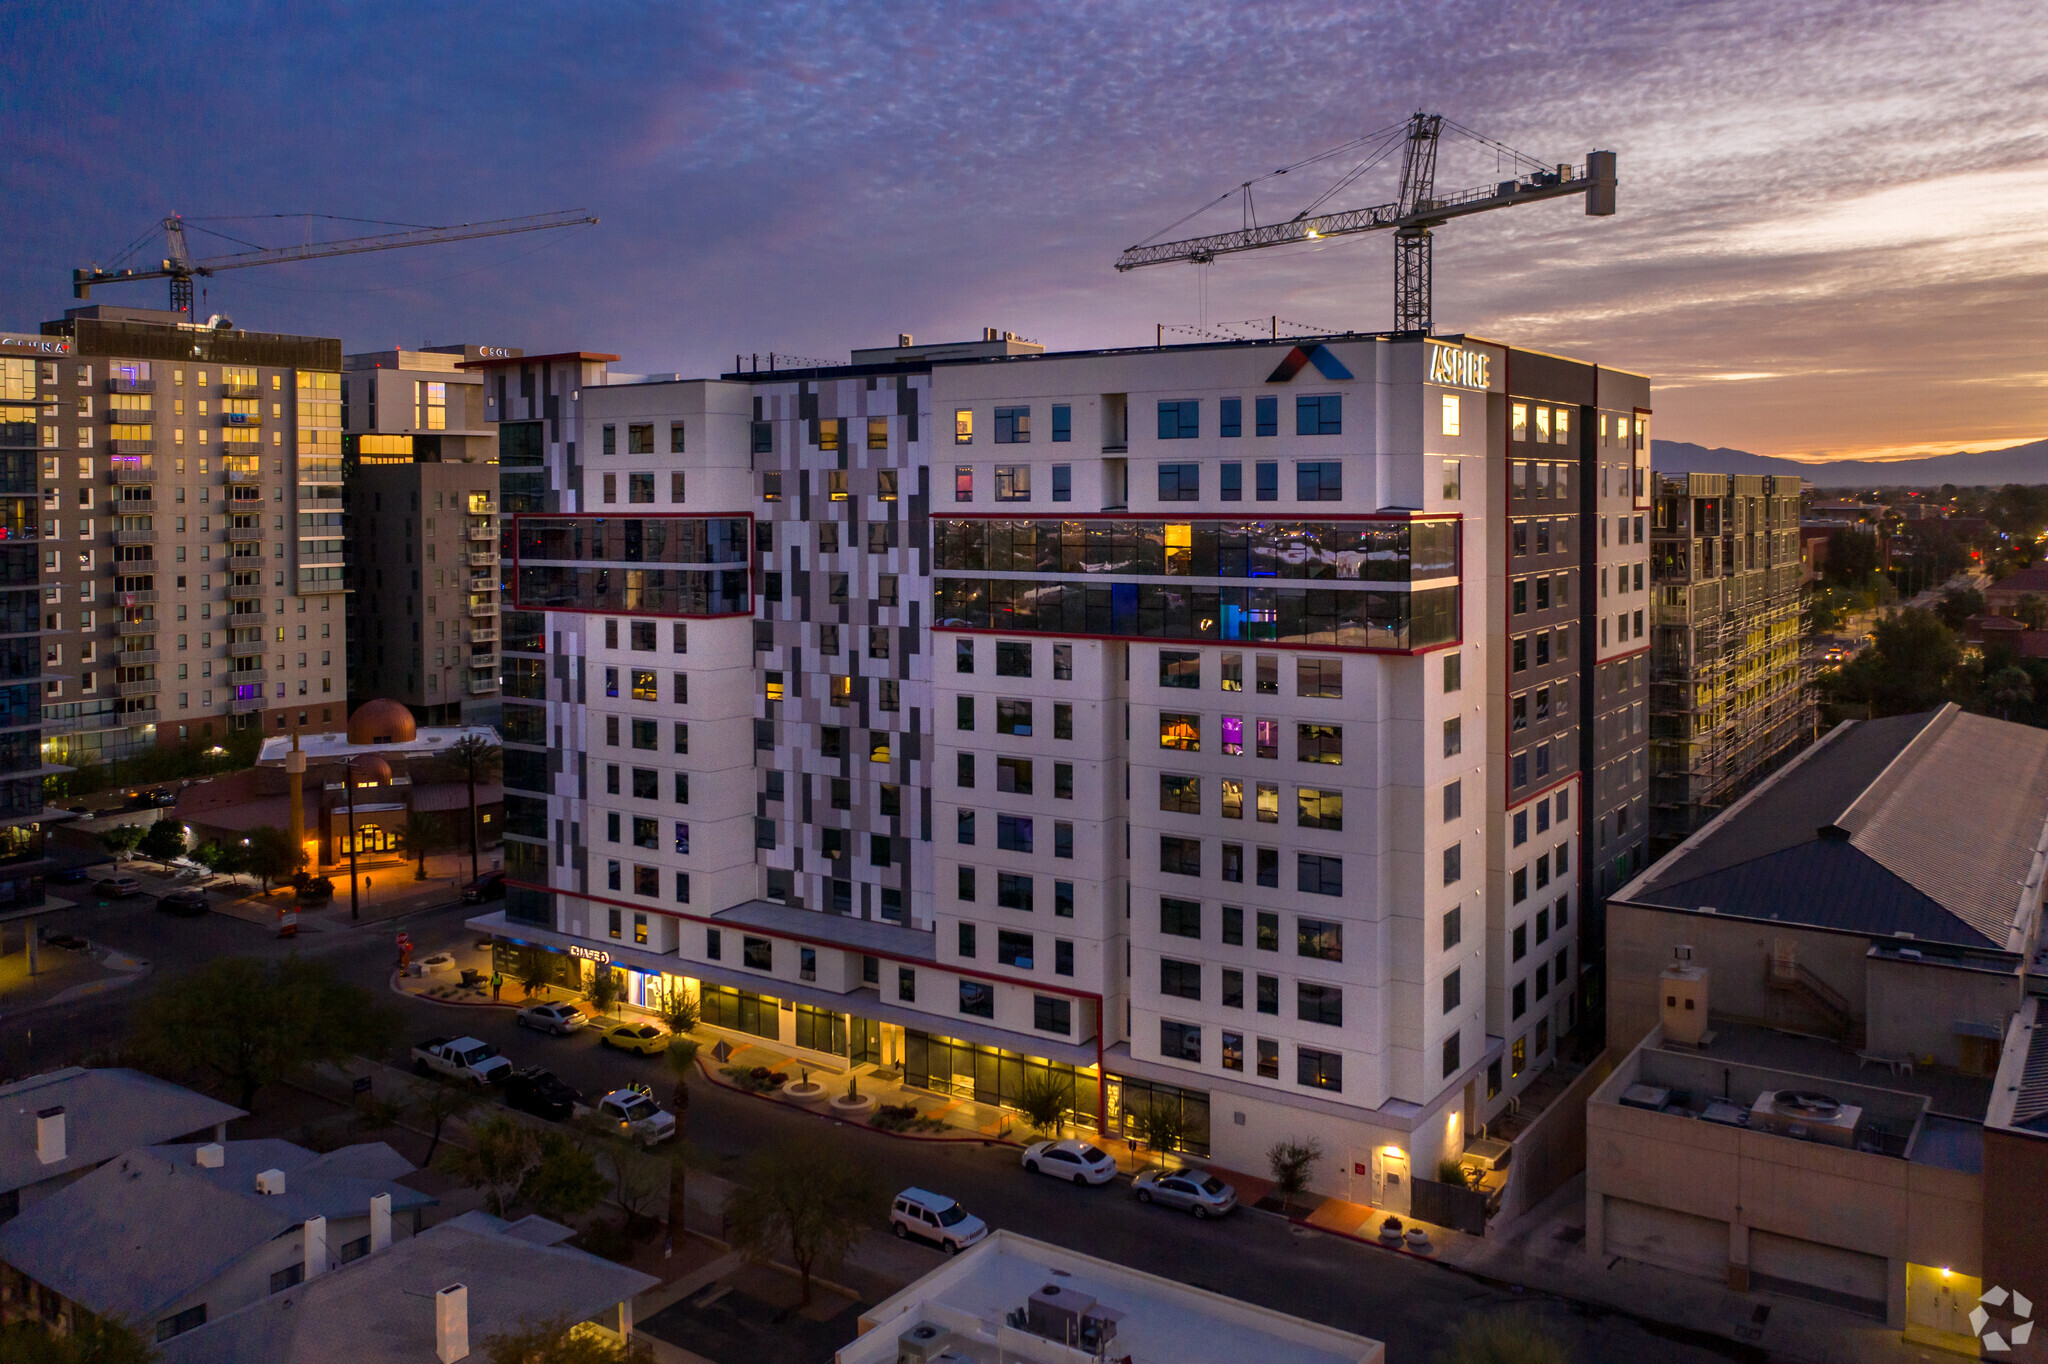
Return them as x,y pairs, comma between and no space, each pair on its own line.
1453,991
1454,864
1321,939
1013,833
1013,426
1013,658
1319,480
1450,422
1319,1069
1180,979
1050,1014
1013,483
963,429
963,483
1319,677
1180,918
1233,1051
978,998
1230,418
1014,949
1179,1041
1320,415
1316,809
1180,482
1318,874
1180,420
1266,416
1232,482
1014,891
1179,731
1451,1056
1180,856
1319,1004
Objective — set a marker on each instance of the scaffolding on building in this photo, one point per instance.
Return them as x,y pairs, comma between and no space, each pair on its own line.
1731,692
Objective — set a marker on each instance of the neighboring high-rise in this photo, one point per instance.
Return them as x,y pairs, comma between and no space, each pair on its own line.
32,390
191,533
1220,726
422,512
1729,699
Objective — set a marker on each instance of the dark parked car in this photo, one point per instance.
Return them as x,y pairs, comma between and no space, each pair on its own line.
185,903
535,1090
489,886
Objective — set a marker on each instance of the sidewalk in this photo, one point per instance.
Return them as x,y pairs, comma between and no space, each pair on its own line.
387,889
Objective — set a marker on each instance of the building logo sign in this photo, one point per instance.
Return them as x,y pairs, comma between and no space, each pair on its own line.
2018,1334
40,345
494,352
1327,364
602,958
1457,366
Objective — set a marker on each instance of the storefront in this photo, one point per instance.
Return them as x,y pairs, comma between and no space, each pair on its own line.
721,1006
1129,1100
991,1075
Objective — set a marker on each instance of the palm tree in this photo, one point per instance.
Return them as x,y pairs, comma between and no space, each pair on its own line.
478,760
421,836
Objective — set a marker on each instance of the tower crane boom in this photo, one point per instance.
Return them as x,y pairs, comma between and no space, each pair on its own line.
1415,212
179,268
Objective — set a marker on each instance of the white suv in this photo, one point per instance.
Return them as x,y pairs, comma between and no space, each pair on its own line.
935,1217
637,1116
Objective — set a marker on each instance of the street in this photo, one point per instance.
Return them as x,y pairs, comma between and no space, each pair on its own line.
1255,1256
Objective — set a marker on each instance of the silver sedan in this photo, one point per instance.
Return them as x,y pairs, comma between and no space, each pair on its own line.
559,1019
1199,1192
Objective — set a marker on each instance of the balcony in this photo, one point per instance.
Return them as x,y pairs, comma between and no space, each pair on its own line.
246,648
477,508
482,634
145,597
485,660
243,533
322,587
241,475
125,628
245,591
135,658
148,686
247,677
239,706
241,390
143,713
320,504
131,385
483,686
128,568
142,505
132,473
67,724
131,447
241,419
483,559
483,608
134,537
482,533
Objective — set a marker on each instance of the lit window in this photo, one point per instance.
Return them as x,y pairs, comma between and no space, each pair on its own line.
1451,424
963,426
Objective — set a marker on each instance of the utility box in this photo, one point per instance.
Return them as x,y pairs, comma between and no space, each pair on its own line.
1683,990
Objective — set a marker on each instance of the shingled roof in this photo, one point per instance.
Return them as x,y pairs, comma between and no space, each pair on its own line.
1924,824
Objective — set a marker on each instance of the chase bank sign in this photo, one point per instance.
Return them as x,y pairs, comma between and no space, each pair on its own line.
1457,367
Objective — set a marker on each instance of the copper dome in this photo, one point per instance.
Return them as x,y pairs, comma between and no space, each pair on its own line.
370,770
382,722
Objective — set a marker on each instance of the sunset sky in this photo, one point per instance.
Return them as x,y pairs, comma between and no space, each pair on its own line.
1830,239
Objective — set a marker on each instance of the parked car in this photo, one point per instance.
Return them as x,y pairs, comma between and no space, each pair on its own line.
489,886
536,1090
639,1116
117,887
1198,1191
935,1217
559,1019
647,1039
71,875
1073,1160
461,1058
187,903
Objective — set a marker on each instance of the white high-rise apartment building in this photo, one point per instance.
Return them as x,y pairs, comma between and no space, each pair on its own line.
1205,725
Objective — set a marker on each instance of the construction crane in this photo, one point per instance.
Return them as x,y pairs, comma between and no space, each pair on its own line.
179,268
1417,210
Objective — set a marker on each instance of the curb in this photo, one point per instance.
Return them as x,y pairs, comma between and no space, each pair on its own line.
861,1126
454,1003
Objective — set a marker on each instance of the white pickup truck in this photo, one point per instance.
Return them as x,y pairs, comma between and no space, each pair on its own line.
637,1116
463,1058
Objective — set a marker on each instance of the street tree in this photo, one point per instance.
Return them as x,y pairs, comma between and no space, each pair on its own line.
603,990
164,841
559,1342
1045,1099
1161,1125
122,838
2031,610
250,1023
1957,605
1911,667
501,1154
478,761
682,1062
272,855
1293,1164
804,1199
533,971
438,1106
564,1180
2007,690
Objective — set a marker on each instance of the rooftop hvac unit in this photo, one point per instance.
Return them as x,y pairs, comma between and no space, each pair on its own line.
1488,1154
1807,1115
923,1343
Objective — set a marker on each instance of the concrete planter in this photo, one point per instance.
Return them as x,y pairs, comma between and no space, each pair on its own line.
803,1091
859,1106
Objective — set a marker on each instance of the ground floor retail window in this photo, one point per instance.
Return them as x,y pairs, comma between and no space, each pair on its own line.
519,963
741,1010
992,1076
1128,1100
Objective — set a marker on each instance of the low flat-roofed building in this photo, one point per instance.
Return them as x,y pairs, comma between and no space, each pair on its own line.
1779,1163
2016,1165
59,1126
1015,1299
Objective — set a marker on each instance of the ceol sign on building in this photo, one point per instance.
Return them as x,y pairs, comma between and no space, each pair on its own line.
1457,366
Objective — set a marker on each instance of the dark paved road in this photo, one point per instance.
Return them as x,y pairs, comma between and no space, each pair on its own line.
1407,1303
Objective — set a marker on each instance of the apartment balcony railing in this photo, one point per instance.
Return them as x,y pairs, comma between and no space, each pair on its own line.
125,628
483,559
245,591
132,473
142,597
131,447
243,533
482,533
245,705
131,385
148,686
134,537
483,686
482,634
131,568
135,658
241,476
247,676
246,648
240,390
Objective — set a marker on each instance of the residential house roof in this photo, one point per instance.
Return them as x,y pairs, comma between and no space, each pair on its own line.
150,1226
380,1309
106,1111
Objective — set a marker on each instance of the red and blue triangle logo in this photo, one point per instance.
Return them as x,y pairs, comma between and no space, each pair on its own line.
1327,365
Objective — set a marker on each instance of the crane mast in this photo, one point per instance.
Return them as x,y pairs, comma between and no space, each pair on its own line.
179,268
1416,211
